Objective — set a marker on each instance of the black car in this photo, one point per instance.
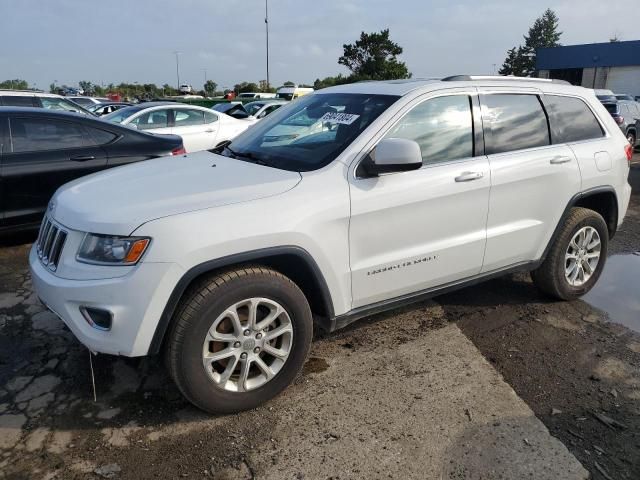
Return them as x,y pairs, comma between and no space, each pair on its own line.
41,149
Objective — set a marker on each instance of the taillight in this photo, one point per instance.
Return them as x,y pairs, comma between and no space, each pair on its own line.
178,151
619,120
628,150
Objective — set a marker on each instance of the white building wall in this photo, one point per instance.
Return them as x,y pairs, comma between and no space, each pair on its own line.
624,80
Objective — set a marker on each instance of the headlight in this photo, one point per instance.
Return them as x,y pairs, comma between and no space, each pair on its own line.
110,250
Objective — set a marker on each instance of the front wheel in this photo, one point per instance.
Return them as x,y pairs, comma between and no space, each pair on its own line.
631,138
238,339
576,258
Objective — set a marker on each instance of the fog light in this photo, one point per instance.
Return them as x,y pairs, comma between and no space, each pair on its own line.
97,317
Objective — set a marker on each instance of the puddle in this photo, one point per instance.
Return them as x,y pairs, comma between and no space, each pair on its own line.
617,291
315,365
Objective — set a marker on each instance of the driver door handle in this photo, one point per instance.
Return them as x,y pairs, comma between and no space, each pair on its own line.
559,159
469,176
82,158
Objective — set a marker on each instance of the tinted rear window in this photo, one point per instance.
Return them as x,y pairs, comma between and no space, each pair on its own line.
517,122
611,107
572,120
17,101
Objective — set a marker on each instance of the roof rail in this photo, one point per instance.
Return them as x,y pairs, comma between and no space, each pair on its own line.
462,78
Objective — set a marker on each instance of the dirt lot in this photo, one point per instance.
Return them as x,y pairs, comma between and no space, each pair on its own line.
347,416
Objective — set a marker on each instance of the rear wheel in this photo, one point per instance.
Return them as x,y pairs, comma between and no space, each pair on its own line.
631,138
238,339
576,258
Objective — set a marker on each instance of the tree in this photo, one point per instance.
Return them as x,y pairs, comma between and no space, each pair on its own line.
374,57
52,88
521,60
15,84
245,87
264,87
210,88
86,86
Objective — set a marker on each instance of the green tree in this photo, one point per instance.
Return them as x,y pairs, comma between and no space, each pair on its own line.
86,86
245,87
210,88
374,57
52,88
544,33
15,84
262,85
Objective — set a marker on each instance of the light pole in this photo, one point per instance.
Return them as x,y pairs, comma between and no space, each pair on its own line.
176,53
266,23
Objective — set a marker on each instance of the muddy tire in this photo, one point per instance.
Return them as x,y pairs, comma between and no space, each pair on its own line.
576,258
238,338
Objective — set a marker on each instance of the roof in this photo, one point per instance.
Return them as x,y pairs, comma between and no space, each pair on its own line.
610,54
403,87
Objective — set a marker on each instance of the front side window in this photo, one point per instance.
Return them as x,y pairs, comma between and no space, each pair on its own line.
517,122
152,119
442,126
33,135
309,133
186,117
572,120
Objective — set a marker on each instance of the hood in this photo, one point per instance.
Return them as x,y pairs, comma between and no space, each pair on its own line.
119,200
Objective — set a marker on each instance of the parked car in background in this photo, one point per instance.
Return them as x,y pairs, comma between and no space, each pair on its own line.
261,109
233,109
605,95
291,93
622,96
626,114
44,149
185,89
248,95
86,101
30,98
107,107
200,128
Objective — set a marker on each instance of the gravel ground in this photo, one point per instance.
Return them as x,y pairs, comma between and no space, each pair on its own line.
579,374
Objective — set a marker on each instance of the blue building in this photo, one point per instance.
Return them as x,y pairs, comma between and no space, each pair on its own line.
612,65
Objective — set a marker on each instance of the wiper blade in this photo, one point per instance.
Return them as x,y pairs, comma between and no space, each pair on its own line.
246,156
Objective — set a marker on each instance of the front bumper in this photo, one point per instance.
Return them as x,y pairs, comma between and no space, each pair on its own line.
136,301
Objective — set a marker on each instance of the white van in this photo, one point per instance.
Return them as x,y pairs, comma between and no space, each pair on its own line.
291,93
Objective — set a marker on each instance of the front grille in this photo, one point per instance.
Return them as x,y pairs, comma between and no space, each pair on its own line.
50,243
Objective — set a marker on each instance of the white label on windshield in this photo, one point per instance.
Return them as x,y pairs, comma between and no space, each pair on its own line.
343,118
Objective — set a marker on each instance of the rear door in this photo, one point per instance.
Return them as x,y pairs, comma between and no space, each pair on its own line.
45,153
158,120
532,180
190,124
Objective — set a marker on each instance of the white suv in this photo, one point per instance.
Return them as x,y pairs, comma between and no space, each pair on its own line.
347,202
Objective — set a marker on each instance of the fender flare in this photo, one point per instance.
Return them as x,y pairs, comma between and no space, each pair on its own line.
235,259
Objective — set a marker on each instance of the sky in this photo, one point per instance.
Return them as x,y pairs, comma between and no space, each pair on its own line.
115,41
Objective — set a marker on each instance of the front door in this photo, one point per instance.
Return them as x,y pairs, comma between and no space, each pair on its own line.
416,230
46,153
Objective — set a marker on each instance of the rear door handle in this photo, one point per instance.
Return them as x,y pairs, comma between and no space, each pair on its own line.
469,176
82,158
209,131
559,159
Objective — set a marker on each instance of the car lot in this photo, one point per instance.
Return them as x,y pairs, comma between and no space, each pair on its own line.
403,394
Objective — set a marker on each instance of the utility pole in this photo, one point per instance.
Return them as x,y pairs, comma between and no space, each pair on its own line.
266,23
177,68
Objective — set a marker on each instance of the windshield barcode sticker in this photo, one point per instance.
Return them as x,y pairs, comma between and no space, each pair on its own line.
342,118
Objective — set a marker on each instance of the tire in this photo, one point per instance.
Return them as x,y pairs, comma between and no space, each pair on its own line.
631,138
551,277
217,386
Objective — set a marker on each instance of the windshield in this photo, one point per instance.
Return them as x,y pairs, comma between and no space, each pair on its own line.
611,107
285,96
253,107
309,133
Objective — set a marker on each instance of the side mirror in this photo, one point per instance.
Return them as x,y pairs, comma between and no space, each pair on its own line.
393,155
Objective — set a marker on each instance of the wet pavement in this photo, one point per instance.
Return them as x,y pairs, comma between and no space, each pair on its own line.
617,292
